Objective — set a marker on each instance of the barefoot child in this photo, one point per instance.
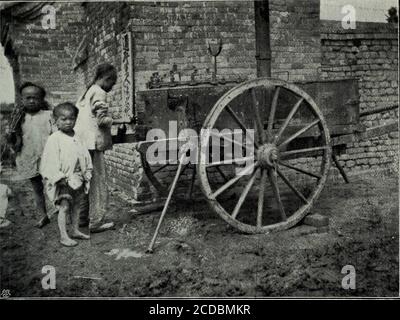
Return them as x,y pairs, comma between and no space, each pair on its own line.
34,126
93,126
66,168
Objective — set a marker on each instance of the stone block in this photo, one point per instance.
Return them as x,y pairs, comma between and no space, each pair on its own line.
303,230
350,163
316,220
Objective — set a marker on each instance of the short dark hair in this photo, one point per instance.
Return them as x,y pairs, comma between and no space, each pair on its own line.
65,106
31,84
103,70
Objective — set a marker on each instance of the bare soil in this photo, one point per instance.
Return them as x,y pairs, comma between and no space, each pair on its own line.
198,255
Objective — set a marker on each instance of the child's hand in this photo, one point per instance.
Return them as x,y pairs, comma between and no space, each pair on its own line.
100,107
106,122
101,111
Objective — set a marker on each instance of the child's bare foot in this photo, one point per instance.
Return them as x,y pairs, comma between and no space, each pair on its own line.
42,222
79,235
101,228
68,242
4,222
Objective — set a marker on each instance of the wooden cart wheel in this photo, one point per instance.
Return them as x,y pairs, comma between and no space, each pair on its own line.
285,188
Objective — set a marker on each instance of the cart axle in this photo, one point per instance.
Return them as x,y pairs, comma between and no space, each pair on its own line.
267,155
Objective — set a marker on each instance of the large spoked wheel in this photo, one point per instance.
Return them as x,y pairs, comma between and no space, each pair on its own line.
284,175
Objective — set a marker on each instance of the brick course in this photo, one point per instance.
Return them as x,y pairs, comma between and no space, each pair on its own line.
170,33
295,39
369,53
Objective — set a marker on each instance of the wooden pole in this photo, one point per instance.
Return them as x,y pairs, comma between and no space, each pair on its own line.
171,191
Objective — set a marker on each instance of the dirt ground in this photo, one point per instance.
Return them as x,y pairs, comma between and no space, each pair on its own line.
198,255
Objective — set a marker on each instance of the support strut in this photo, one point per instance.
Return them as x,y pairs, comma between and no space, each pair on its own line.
171,192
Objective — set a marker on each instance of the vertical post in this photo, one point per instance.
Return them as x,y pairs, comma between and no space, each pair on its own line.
215,69
340,168
263,45
171,192
127,77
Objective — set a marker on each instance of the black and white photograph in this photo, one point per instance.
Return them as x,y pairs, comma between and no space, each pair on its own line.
244,149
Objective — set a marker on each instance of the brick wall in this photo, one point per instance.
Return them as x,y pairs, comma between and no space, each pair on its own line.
102,40
369,53
295,39
45,56
170,33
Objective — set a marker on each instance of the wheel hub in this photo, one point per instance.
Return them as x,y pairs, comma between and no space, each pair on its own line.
267,155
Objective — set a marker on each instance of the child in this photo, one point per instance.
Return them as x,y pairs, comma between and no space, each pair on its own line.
29,137
66,168
94,127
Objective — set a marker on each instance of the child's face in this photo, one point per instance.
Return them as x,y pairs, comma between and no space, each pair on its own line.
32,99
65,120
109,82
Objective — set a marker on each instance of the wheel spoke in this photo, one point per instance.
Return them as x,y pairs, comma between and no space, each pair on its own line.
257,136
230,161
222,173
287,153
300,170
275,189
298,133
239,122
287,120
260,127
261,193
225,137
159,169
244,195
272,114
192,181
294,189
232,181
